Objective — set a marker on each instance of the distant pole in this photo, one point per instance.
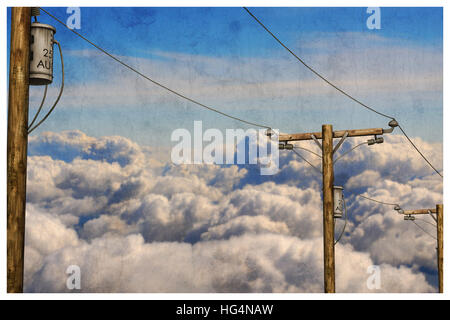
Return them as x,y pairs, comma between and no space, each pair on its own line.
17,145
327,135
440,242
328,217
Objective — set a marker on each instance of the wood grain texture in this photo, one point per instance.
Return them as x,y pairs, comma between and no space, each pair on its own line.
336,134
419,211
328,217
17,145
440,242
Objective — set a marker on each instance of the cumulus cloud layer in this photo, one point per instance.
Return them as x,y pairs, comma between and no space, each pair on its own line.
136,224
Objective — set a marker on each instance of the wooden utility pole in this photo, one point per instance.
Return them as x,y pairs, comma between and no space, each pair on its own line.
17,145
327,135
328,208
439,211
440,245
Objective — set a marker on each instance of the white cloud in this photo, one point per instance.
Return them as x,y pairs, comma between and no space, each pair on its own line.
262,263
134,224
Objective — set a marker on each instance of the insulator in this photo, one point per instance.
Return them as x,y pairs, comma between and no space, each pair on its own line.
393,123
269,132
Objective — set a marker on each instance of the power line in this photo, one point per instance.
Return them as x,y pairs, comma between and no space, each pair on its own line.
153,81
304,159
378,201
344,154
415,147
424,230
314,71
336,87
425,221
40,107
310,151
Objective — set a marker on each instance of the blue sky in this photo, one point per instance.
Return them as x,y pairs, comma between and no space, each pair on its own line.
211,54
99,198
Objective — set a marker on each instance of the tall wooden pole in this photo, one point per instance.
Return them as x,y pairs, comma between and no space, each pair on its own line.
328,216
17,145
440,241
327,136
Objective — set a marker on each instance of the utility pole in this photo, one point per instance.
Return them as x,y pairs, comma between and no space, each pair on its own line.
440,242
439,212
17,145
327,135
328,208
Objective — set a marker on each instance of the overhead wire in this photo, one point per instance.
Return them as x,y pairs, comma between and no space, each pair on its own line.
424,230
425,221
313,70
337,88
417,149
40,107
310,151
304,159
154,81
378,201
347,152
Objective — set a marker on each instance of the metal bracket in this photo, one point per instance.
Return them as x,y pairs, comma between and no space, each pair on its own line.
431,214
392,124
316,141
340,142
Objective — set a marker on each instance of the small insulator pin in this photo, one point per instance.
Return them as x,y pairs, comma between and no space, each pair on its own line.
269,132
35,11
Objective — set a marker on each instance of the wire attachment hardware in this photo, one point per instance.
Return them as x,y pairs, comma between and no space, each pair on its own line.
398,209
336,148
269,132
376,140
392,124
431,214
285,146
35,12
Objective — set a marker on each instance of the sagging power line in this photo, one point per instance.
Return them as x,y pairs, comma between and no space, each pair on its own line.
339,89
154,81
